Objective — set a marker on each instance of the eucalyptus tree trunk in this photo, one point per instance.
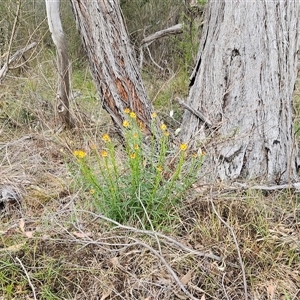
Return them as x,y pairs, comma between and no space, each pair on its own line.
243,84
112,60
59,39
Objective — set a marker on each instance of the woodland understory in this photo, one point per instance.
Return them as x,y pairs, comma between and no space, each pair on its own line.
59,241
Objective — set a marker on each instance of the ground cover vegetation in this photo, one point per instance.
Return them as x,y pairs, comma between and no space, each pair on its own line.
84,217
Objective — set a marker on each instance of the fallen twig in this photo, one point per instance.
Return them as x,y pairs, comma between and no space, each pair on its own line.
176,29
27,275
223,286
140,243
236,245
154,233
168,267
147,216
295,186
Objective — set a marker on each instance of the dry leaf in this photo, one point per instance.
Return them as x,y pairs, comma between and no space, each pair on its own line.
115,261
203,297
29,234
13,248
271,291
186,278
46,237
164,281
105,295
22,225
81,235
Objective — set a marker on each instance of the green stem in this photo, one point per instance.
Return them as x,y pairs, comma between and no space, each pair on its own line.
174,177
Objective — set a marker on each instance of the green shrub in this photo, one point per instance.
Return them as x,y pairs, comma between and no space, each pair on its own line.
146,183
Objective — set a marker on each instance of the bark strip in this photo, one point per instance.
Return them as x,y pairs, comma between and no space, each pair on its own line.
176,29
59,39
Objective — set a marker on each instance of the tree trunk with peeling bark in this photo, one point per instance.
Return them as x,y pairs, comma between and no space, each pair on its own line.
243,84
112,60
59,39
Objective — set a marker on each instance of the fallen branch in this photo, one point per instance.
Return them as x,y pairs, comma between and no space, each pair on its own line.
176,29
168,267
295,186
154,234
14,57
20,140
154,62
136,242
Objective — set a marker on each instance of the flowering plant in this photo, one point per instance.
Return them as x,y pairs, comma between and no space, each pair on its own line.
144,184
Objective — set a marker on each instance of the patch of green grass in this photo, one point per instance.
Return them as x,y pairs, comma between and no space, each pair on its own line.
175,86
47,294
54,272
13,280
8,276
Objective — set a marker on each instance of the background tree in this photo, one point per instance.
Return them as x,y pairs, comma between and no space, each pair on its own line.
59,39
144,18
112,60
243,83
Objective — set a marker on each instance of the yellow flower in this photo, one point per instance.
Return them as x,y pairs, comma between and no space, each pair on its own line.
106,138
126,123
195,155
183,147
104,153
163,127
127,110
79,153
92,192
136,147
135,135
159,168
154,115
133,115
132,155
166,133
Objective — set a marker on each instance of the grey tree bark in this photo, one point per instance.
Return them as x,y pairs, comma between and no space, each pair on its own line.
243,83
112,60
59,39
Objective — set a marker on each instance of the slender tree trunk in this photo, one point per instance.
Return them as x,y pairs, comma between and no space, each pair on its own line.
59,39
112,60
243,83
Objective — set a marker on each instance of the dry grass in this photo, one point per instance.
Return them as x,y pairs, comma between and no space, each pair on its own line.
55,246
